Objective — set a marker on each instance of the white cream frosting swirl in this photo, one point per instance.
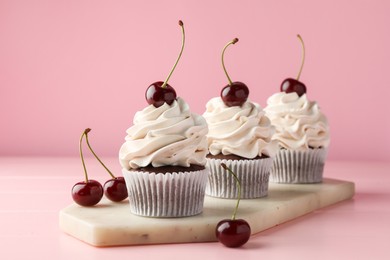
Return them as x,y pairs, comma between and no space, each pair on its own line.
167,135
299,123
240,130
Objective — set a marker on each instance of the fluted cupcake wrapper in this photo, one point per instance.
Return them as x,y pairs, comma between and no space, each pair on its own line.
168,195
299,166
253,176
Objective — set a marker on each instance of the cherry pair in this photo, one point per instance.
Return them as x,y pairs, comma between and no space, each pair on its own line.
90,192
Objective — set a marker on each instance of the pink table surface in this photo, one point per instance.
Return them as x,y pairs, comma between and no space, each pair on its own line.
34,189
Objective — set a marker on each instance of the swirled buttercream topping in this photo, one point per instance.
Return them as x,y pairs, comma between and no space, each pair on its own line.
167,135
240,130
299,123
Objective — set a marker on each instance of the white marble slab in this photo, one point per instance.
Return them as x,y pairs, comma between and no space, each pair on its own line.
112,224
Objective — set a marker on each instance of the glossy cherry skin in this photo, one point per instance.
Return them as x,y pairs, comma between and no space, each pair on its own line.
233,233
156,95
87,193
235,94
115,189
292,85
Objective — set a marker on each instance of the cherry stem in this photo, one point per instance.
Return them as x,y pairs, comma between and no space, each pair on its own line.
239,189
164,85
81,153
94,154
223,61
303,56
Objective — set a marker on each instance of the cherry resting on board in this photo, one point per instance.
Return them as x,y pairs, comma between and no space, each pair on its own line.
233,232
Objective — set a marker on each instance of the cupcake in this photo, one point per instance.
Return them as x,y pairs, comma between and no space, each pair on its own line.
163,160
301,130
164,155
240,137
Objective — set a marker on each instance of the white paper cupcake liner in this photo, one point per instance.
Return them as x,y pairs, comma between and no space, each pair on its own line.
177,194
298,166
253,176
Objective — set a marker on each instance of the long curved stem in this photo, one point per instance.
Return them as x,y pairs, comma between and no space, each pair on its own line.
97,158
178,58
223,61
303,56
239,189
81,153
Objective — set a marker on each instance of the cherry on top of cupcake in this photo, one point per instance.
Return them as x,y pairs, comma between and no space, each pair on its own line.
235,93
290,85
160,92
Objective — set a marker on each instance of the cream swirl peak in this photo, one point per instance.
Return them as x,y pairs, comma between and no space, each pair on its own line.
166,135
299,123
240,130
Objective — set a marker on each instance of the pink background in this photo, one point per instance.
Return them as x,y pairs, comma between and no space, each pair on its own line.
68,65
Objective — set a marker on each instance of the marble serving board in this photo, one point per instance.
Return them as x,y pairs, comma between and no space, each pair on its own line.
112,224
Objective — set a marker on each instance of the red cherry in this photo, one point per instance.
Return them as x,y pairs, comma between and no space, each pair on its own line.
115,189
292,85
233,233
87,193
156,95
160,92
235,94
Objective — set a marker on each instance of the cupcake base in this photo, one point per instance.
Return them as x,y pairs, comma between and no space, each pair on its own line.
166,195
299,166
252,173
